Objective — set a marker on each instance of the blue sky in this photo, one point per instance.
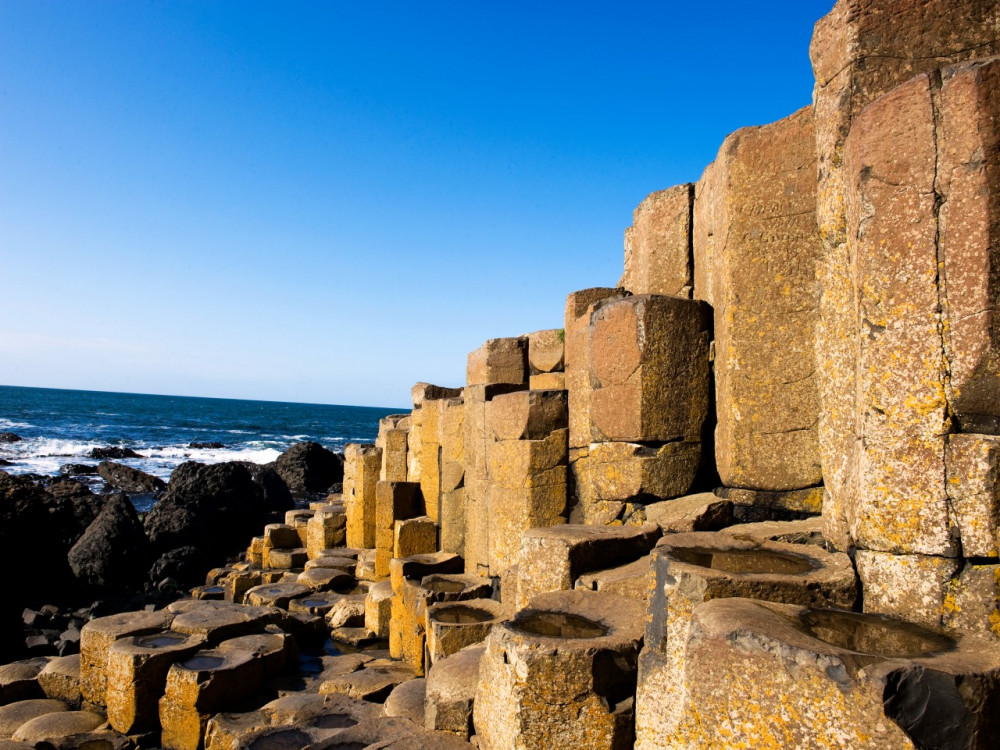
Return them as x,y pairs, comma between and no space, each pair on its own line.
326,202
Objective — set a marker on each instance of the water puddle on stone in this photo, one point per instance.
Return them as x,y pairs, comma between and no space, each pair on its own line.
461,615
743,561
874,634
162,641
444,587
203,662
558,625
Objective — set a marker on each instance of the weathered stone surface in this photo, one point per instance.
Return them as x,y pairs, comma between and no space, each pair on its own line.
804,531
451,691
421,393
751,506
60,679
693,568
911,587
649,369
222,620
326,529
57,725
394,501
658,246
348,611
19,680
613,474
13,715
378,608
499,361
414,536
548,381
632,580
373,683
546,351
453,625
282,536
96,638
200,686
309,467
407,700
451,514
704,511
293,558
757,241
553,558
561,674
859,52
362,465
394,451
889,168
275,649
973,463
579,307
137,674
128,479
276,594
972,602
381,732
526,415
826,678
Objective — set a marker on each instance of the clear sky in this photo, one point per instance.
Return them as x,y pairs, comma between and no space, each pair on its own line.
329,201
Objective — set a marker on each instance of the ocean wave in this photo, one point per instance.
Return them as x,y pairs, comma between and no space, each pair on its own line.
10,424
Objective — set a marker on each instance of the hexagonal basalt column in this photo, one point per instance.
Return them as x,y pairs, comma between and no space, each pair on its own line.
693,568
137,673
451,626
561,674
833,679
199,687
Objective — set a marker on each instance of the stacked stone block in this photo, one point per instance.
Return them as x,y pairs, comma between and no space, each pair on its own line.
362,466
393,439
659,256
546,360
526,460
395,501
451,515
756,246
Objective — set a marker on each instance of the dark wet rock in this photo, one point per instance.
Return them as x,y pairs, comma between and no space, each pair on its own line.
113,551
84,504
113,452
206,446
215,509
5,462
128,479
309,468
180,564
10,437
78,470
277,498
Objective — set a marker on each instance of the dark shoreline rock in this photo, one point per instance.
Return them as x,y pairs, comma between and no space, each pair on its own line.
10,437
128,479
309,468
114,452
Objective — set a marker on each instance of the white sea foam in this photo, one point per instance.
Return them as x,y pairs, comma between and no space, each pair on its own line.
10,424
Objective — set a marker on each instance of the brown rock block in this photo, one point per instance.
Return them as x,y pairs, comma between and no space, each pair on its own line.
407,700
704,511
763,252
693,568
649,369
348,611
972,603
561,674
546,351
828,678
499,361
60,679
96,638
372,684
553,558
418,567
275,649
911,587
394,501
424,392
890,163
394,466
548,381
766,505
860,52
526,415
579,307
13,715
414,536
522,464
137,676
286,559
200,686
804,531
326,579
451,626
973,463
378,608
415,445
451,690
281,536
19,680
658,245
276,594
326,529
239,583
365,464
55,726
633,580
318,603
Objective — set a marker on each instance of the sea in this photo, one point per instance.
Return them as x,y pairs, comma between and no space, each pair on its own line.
59,427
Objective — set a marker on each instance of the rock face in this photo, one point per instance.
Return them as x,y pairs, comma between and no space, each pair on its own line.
309,468
212,508
113,452
127,479
113,551
10,437
756,246
658,248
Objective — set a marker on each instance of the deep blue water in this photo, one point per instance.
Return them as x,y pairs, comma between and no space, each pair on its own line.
62,426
